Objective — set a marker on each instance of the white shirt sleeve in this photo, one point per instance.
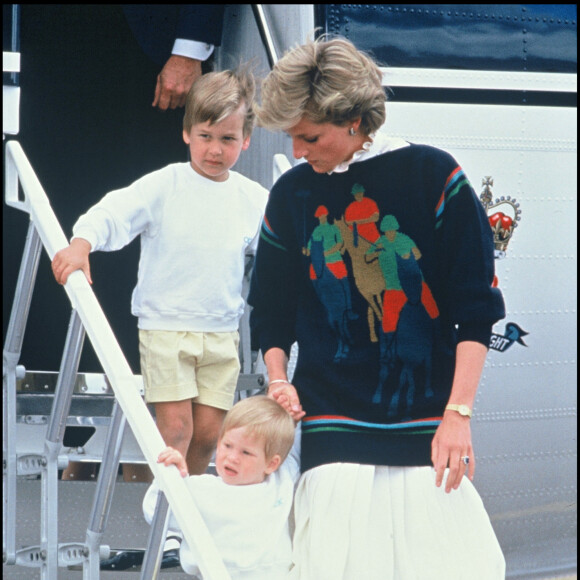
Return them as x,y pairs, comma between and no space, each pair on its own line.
125,213
192,49
292,461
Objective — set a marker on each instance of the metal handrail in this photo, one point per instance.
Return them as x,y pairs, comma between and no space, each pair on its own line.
124,383
265,33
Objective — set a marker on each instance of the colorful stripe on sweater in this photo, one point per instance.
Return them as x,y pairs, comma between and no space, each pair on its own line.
339,423
456,180
268,234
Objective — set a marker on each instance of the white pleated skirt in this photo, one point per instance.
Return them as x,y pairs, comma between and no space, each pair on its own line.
361,522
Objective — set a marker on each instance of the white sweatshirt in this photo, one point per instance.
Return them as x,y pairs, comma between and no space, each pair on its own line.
194,236
248,523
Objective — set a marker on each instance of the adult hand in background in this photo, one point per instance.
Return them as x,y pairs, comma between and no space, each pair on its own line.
174,81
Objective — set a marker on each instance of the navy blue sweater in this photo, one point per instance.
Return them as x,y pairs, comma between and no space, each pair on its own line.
377,273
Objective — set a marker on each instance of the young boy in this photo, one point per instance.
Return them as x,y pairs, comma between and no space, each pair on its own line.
197,221
246,507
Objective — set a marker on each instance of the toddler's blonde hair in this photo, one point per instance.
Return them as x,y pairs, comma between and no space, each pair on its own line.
263,418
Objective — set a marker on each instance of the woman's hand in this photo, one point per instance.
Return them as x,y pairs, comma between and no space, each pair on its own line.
279,388
286,396
452,442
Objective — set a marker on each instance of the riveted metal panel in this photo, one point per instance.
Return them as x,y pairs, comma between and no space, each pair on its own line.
499,37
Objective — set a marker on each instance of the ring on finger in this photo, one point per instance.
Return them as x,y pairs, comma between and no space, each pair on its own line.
465,459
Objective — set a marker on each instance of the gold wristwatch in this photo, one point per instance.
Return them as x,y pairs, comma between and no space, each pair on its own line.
463,410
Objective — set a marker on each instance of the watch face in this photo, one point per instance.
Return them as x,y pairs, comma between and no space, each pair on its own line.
463,409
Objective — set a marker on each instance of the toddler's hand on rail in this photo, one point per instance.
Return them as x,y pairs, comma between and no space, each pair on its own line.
170,456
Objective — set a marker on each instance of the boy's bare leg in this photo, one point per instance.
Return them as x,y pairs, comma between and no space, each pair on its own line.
207,422
175,423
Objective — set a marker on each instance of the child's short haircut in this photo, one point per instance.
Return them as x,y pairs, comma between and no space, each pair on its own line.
216,95
263,418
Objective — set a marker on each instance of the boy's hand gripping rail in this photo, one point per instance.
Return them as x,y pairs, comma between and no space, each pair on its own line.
117,369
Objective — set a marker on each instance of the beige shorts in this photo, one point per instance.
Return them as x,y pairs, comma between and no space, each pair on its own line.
203,366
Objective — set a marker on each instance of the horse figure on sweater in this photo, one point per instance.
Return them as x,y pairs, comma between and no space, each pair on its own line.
413,337
334,294
367,276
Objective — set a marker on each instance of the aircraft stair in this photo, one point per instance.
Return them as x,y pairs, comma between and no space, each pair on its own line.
50,419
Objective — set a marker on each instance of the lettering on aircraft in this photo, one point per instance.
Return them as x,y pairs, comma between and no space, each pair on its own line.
513,333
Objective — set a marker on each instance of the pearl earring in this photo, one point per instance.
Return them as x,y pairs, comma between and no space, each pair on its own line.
352,132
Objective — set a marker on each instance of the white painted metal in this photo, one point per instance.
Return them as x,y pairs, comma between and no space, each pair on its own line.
480,79
10,95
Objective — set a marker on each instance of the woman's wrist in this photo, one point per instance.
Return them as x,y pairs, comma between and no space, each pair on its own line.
279,381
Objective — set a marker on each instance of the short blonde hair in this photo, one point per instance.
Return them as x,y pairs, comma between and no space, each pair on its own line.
265,419
327,81
216,95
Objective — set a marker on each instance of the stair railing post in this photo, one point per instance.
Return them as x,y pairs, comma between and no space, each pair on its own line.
104,494
52,446
11,356
155,544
